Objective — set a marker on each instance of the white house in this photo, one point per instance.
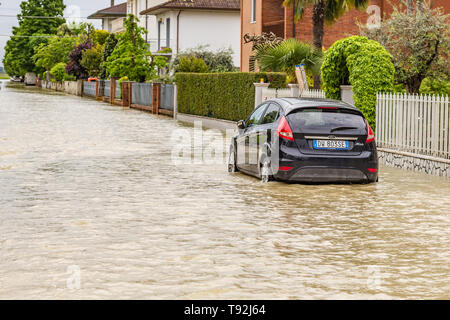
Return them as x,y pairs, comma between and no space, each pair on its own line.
148,22
112,17
185,24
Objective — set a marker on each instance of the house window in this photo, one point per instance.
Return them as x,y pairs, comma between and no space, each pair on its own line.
168,32
253,17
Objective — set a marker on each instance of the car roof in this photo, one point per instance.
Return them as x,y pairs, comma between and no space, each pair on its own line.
291,104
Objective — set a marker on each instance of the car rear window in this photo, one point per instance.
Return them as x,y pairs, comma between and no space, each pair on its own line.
315,120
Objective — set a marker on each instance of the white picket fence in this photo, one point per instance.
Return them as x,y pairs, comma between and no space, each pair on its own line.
269,93
313,93
414,123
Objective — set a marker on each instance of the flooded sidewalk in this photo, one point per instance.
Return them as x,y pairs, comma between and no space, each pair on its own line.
92,206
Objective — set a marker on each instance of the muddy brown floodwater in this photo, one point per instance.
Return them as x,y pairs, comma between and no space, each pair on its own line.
91,206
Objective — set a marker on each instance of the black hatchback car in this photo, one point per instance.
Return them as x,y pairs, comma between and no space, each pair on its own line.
305,140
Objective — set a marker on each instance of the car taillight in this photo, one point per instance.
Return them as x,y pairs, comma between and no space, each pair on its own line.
370,134
284,130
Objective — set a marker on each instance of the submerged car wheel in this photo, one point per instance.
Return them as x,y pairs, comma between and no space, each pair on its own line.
266,171
231,160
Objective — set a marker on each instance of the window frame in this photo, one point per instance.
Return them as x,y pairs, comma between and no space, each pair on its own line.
265,113
264,107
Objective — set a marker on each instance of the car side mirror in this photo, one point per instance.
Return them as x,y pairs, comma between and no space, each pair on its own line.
241,124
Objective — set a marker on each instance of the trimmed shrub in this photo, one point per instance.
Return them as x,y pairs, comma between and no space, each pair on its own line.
362,63
228,95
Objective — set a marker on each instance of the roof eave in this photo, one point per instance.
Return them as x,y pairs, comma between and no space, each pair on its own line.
159,9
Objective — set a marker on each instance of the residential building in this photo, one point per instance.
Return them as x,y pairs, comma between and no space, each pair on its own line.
148,22
185,24
258,16
112,17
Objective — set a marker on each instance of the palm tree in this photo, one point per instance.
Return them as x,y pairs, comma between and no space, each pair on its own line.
286,55
323,11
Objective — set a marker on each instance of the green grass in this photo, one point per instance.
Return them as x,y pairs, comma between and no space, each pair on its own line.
3,76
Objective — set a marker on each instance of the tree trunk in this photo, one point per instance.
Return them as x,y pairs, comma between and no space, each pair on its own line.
318,26
413,84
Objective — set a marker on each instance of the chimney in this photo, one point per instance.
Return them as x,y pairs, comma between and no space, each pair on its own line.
112,3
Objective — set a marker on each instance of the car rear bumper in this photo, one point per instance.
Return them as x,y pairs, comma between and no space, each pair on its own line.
321,174
314,169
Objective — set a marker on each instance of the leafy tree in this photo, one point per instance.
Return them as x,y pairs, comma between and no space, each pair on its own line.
192,64
323,11
92,59
286,55
419,41
110,45
219,61
74,66
19,49
131,57
56,50
58,71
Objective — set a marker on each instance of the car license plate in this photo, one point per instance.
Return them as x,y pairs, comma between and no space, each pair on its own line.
330,144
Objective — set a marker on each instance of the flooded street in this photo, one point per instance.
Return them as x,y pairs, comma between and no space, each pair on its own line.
92,206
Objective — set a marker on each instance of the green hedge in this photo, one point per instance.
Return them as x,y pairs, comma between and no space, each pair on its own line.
228,95
364,64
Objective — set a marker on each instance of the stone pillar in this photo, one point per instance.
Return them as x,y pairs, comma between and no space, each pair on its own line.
156,97
259,91
295,89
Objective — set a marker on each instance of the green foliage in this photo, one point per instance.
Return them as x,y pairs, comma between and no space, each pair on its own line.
110,45
59,71
435,86
229,95
285,56
56,50
219,61
192,64
69,77
99,37
19,49
161,61
362,63
418,40
92,59
131,56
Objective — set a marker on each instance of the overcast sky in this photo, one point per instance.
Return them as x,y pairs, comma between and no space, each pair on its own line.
12,7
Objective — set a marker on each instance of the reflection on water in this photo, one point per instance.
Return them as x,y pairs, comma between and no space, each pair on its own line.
90,186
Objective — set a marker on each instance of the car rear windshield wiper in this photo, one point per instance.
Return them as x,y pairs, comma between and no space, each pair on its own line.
342,128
